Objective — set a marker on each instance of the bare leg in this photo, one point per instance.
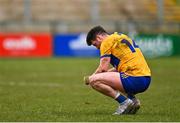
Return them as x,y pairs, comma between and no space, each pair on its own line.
109,83
111,79
104,89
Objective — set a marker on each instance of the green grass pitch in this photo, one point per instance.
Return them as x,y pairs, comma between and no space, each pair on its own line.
53,90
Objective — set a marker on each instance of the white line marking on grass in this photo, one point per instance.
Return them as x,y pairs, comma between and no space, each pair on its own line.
31,84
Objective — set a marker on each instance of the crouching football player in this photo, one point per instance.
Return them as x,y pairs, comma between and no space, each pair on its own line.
130,73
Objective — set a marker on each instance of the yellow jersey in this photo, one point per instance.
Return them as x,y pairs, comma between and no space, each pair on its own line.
125,55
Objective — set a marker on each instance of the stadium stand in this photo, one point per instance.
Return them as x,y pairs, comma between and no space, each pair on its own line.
69,15
172,11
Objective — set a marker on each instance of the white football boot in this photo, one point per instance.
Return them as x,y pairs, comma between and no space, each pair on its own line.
124,107
136,106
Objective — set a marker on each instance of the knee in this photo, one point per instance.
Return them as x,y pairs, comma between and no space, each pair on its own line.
93,78
95,85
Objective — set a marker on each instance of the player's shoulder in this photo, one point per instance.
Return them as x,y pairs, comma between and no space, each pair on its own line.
124,37
113,38
118,36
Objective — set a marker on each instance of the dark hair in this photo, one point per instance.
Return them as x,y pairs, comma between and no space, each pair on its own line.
92,34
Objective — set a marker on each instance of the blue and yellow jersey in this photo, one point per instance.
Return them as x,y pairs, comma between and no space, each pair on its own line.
125,55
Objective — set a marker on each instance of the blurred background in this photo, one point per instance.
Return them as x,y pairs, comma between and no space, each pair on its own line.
58,22
44,56
72,16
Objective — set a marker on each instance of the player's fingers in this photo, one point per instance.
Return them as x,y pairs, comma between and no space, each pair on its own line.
86,80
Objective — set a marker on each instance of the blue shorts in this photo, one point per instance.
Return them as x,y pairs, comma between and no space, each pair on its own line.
134,85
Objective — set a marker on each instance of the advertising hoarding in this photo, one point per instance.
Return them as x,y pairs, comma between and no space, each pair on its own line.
25,45
73,45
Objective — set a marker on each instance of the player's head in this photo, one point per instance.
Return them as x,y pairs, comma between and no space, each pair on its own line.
94,36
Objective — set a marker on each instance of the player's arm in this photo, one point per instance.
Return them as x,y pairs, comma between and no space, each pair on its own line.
104,65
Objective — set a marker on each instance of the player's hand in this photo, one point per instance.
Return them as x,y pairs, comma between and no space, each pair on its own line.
86,80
